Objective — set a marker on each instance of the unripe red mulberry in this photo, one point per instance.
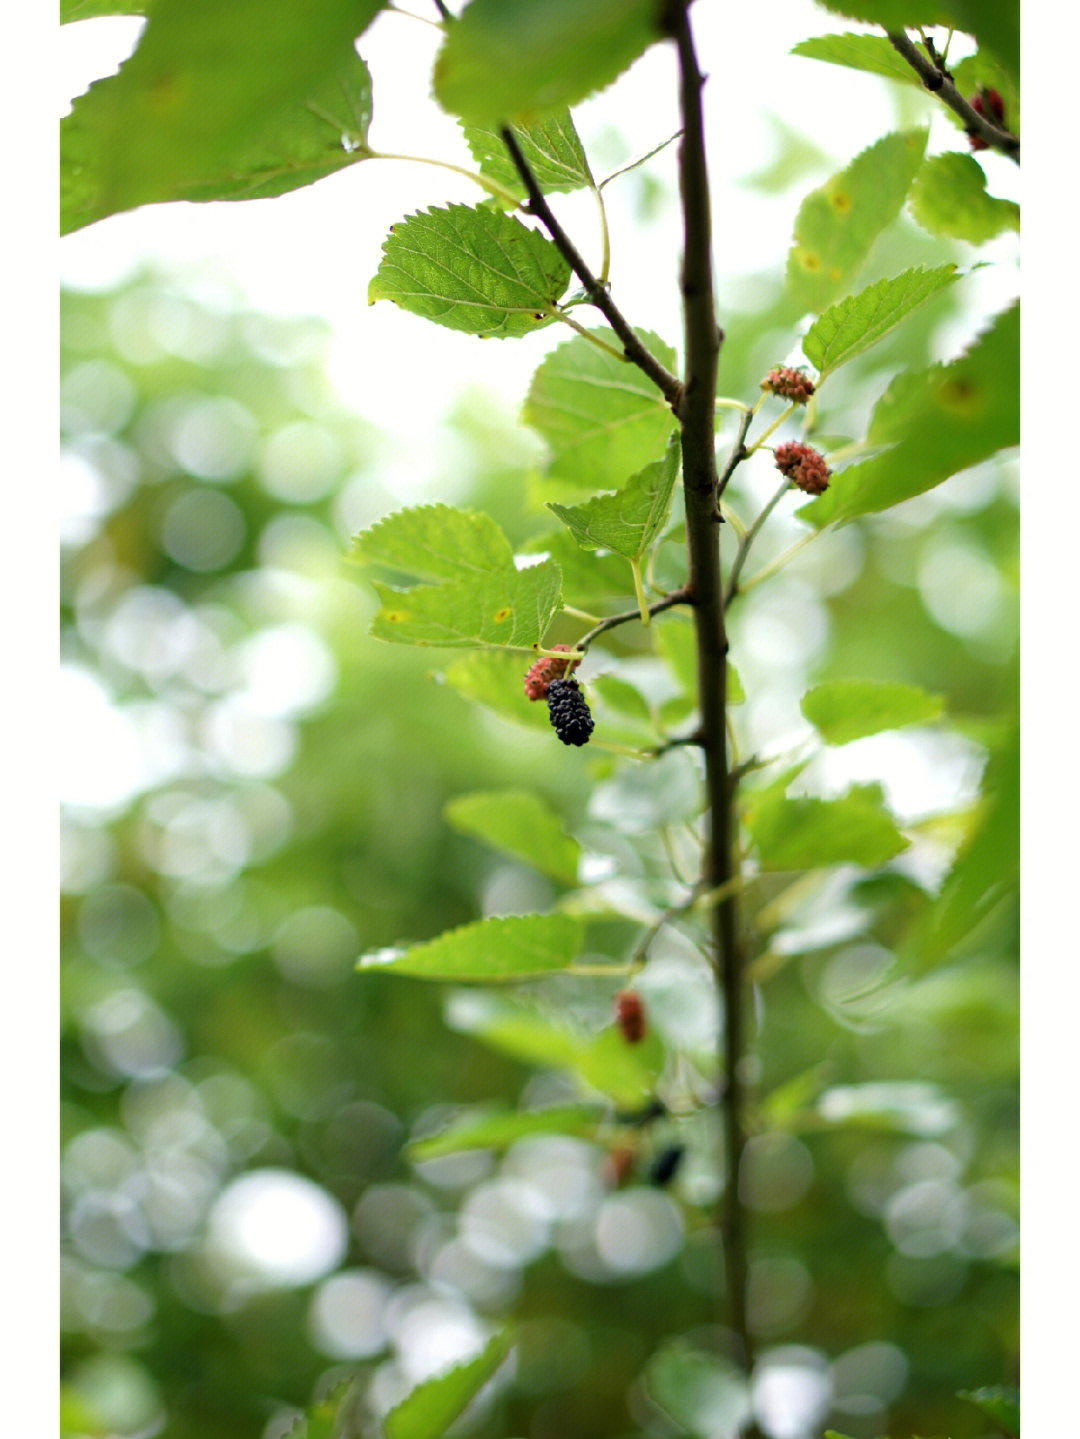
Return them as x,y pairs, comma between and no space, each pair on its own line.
789,384
630,1015
619,1165
991,106
569,712
803,465
544,671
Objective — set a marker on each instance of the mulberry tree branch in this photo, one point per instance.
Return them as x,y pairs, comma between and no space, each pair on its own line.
697,418
939,82
634,350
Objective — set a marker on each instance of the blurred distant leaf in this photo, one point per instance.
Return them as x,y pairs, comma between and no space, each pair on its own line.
910,1107
949,198
628,521
520,823
216,101
320,1418
602,417
518,59
512,608
551,147
499,1129
859,52
807,833
471,268
676,642
856,323
435,542
519,946
938,421
433,1406
837,224
999,1404
704,1395
626,1073
795,156
846,710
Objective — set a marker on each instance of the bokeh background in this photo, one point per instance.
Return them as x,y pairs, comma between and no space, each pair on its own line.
253,794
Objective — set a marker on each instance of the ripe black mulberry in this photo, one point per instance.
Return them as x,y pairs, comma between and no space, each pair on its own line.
569,712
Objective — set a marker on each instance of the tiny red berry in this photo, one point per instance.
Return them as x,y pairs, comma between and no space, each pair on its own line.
789,384
803,465
547,669
991,106
630,1015
619,1165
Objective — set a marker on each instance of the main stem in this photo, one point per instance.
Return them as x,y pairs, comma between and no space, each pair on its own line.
696,414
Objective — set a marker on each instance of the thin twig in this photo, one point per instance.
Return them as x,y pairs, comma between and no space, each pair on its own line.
624,169
739,453
676,597
939,82
748,539
633,349
443,11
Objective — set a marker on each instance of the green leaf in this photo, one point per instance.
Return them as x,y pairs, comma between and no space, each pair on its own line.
938,421
433,1406
518,946
435,542
512,608
603,1061
837,224
500,1129
677,643
846,710
628,521
551,146
809,833
471,268
984,71
859,52
892,14
320,1418
88,9
854,324
703,1394
949,198
216,102
996,26
495,679
603,419
519,59
1002,1405
519,822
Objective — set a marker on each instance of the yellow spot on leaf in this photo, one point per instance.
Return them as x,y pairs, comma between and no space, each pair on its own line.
841,202
395,617
809,261
503,614
835,273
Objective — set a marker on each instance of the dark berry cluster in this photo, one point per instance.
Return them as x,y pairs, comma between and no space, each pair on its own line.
789,384
544,671
990,105
569,712
630,1015
803,465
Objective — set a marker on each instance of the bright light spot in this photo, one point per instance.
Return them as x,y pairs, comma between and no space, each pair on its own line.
286,670
792,1393
301,462
874,1369
777,1170
100,760
964,591
348,1314
315,946
130,1034
249,743
279,1228
637,1232
505,1222
203,531
431,1334
96,398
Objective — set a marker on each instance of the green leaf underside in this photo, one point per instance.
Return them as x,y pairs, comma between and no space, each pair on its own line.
703,1394
551,147
949,198
999,1404
433,1406
938,421
520,823
846,710
628,521
856,323
521,59
511,608
808,833
602,417
471,268
837,224
626,1073
502,1128
217,103
519,946
871,53
435,542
